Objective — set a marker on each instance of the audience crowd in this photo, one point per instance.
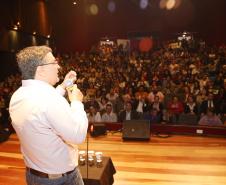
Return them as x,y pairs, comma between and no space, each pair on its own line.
163,85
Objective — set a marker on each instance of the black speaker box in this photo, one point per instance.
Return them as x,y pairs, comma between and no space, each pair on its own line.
136,130
98,129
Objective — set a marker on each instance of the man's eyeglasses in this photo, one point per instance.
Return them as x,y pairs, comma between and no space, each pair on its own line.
48,63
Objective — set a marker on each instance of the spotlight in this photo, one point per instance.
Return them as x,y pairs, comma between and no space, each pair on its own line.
74,3
143,4
15,27
162,4
34,32
170,4
93,9
111,6
48,36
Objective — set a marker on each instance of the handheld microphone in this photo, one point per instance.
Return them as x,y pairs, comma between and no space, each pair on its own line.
69,84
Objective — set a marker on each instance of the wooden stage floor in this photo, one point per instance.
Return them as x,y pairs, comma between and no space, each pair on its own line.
177,160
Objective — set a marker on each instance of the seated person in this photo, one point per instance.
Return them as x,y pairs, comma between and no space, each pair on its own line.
140,104
209,103
93,116
91,90
158,106
121,102
152,116
91,102
103,104
141,93
210,119
112,96
109,115
175,108
128,113
155,92
191,106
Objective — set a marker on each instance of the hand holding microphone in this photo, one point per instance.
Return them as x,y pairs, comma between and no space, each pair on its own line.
69,79
74,93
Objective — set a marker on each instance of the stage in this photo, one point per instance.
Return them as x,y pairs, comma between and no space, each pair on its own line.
176,160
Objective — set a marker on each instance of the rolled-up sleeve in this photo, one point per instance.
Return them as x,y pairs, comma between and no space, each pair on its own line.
69,121
60,90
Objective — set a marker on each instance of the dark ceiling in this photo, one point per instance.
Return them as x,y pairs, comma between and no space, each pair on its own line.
75,29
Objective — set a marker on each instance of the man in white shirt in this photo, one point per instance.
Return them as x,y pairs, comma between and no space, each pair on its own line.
109,116
45,122
93,116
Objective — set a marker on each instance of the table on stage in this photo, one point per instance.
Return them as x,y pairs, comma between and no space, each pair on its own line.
99,176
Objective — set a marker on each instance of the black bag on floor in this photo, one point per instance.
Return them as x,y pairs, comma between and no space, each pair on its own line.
4,135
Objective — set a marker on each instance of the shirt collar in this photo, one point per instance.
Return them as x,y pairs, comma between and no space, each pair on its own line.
31,82
110,113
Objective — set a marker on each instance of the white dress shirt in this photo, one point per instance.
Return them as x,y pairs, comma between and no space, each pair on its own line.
140,106
112,117
128,115
45,124
94,118
210,104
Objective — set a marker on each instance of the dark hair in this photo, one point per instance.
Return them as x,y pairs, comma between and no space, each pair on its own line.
104,98
129,102
109,105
